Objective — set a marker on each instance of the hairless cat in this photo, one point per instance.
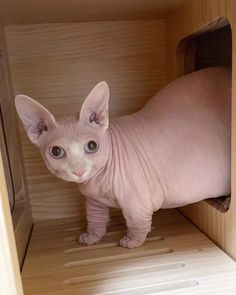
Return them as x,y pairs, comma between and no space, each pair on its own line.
173,152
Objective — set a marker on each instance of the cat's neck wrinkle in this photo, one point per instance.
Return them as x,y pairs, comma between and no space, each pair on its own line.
105,169
117,150
127,168
130,153
109,149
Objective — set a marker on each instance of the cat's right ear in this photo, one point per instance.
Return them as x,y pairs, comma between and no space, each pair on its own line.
36,119
94,110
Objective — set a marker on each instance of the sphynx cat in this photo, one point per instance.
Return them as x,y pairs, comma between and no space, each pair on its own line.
173,152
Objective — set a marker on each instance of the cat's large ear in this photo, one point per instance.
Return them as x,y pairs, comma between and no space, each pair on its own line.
35,118
96,106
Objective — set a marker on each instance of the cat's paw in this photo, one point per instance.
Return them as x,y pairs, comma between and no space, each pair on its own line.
127,242
88,239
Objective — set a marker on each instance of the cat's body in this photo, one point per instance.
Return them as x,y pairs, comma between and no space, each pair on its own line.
173,152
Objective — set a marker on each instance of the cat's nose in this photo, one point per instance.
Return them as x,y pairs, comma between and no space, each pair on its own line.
78,173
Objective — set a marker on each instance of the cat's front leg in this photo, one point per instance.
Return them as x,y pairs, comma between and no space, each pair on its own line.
138,226
97,216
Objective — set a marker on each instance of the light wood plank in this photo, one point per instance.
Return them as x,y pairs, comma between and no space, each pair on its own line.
13,162
175,258
26,11
9,266
194,17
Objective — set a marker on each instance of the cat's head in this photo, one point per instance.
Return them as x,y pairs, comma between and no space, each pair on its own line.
75,148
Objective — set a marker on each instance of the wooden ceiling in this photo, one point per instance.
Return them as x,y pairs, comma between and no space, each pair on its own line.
48,11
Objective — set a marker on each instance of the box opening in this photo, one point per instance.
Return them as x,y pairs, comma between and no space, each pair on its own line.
209,47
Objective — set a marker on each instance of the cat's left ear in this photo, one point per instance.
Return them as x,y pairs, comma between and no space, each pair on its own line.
36,119
96,106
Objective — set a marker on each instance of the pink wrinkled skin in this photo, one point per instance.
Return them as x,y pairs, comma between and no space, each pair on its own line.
174,152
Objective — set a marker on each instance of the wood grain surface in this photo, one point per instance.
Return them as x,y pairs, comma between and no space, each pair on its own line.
51,11
9,267
176,259
193,18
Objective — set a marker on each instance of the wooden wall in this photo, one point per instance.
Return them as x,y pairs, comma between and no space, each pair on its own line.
12,158
196,17
11,221
58,64
38,11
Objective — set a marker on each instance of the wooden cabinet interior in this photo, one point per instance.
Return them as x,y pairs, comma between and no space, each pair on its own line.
56,54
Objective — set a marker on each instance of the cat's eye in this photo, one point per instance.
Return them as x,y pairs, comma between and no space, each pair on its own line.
57,152
91,147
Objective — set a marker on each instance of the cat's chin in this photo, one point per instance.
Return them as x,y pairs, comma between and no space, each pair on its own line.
77,180
80,181
69,179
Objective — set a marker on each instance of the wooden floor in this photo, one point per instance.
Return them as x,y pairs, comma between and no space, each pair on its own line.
176,259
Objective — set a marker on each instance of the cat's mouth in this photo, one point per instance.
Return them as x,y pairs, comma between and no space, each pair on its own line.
80,177
70,176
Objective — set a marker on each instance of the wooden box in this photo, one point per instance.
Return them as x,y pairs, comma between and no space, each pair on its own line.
56,51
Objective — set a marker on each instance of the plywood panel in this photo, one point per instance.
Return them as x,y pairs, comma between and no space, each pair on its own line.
58,64
22,221
194,17
9,267
176,259
12,157
26,11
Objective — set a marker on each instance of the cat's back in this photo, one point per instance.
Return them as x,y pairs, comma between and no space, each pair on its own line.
187,129
207,87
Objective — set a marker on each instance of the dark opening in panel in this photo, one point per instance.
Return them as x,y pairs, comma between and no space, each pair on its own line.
210,47
214,49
